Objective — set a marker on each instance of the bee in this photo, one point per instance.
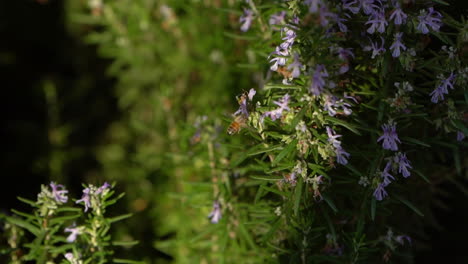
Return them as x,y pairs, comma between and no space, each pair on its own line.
242,99
284,72
236,125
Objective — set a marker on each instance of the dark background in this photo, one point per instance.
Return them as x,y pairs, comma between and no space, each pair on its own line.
35,47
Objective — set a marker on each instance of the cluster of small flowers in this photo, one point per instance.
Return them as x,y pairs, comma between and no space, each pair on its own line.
92,197
402,100
376,12
399,162
299,170
50,199
390,238
282,53
316,181
390,140
278,112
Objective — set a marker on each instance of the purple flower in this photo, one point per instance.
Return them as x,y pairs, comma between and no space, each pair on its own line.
288,39
397,45
368,6
86,199
59,192
341,154
354,6
400,240
387,177
389,137
251,93
380,192
75,231
350,5
376,50
438,93
278,112
242,108
398,16
103,188
331,104
295,66
377,21
215,214
279,61
403,164
340,22
429,19
246,20
345,54
332,137
318,81
277,19
460,136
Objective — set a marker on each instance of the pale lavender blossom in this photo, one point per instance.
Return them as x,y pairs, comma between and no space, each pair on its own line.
377,21
242,108
59,192
387,177
104,187
332,137
351,5
397,45
295,67
246,20
86,199
460,135
380,192
277,19
243,103
215,214
75,231
438,93
368,6
278,112
333,103
403,164
430,18
289,38
389,137
341,155
375,48
354,6
398,16
340,22
318,81
279,61
294,21
251,94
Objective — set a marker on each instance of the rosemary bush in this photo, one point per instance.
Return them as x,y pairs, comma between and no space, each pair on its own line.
267,131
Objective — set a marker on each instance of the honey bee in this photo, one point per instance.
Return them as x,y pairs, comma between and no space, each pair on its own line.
242,99
236,125
284,72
